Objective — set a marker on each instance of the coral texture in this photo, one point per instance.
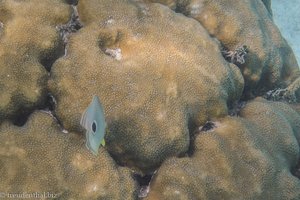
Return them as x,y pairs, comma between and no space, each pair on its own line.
270,62
162,69
247,157
29,43
155,72
38,157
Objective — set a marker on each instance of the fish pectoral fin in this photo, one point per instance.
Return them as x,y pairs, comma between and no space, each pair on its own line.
103,142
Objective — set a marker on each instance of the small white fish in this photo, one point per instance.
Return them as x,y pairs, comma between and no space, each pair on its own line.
93,121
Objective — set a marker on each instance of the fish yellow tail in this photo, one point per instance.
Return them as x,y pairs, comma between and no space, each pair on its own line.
103,142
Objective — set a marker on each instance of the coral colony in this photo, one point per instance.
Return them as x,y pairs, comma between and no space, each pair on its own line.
184,121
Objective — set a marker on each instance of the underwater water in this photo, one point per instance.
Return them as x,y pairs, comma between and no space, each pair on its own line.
287,17
149,99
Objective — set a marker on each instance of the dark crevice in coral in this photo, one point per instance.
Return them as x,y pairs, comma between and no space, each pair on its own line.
48,59
49,108
193,128
296,170
144,182
1,27
238,57
50,103
72,26
23,114
235,108
72,2
247,94
47,105
22,117
191,149
181,8
207,127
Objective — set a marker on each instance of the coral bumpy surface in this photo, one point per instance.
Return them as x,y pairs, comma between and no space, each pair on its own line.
38,157
270,62
170,98
155,73
29,43
247,157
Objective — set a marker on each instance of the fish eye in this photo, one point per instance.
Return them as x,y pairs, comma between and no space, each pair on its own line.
94,126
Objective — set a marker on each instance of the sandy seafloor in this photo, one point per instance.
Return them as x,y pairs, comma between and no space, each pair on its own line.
286,14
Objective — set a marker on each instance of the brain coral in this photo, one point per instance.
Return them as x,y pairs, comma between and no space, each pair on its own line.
29,43
246,157
155,71
270,62
38,157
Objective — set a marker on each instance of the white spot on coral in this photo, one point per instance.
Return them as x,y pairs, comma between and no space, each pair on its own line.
137,36
65,131
172,89
161,115
176,192
115,53
46,44
81,162
11,150
196,9
144,191
49,113
92,188
144,8
218,124
110,21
